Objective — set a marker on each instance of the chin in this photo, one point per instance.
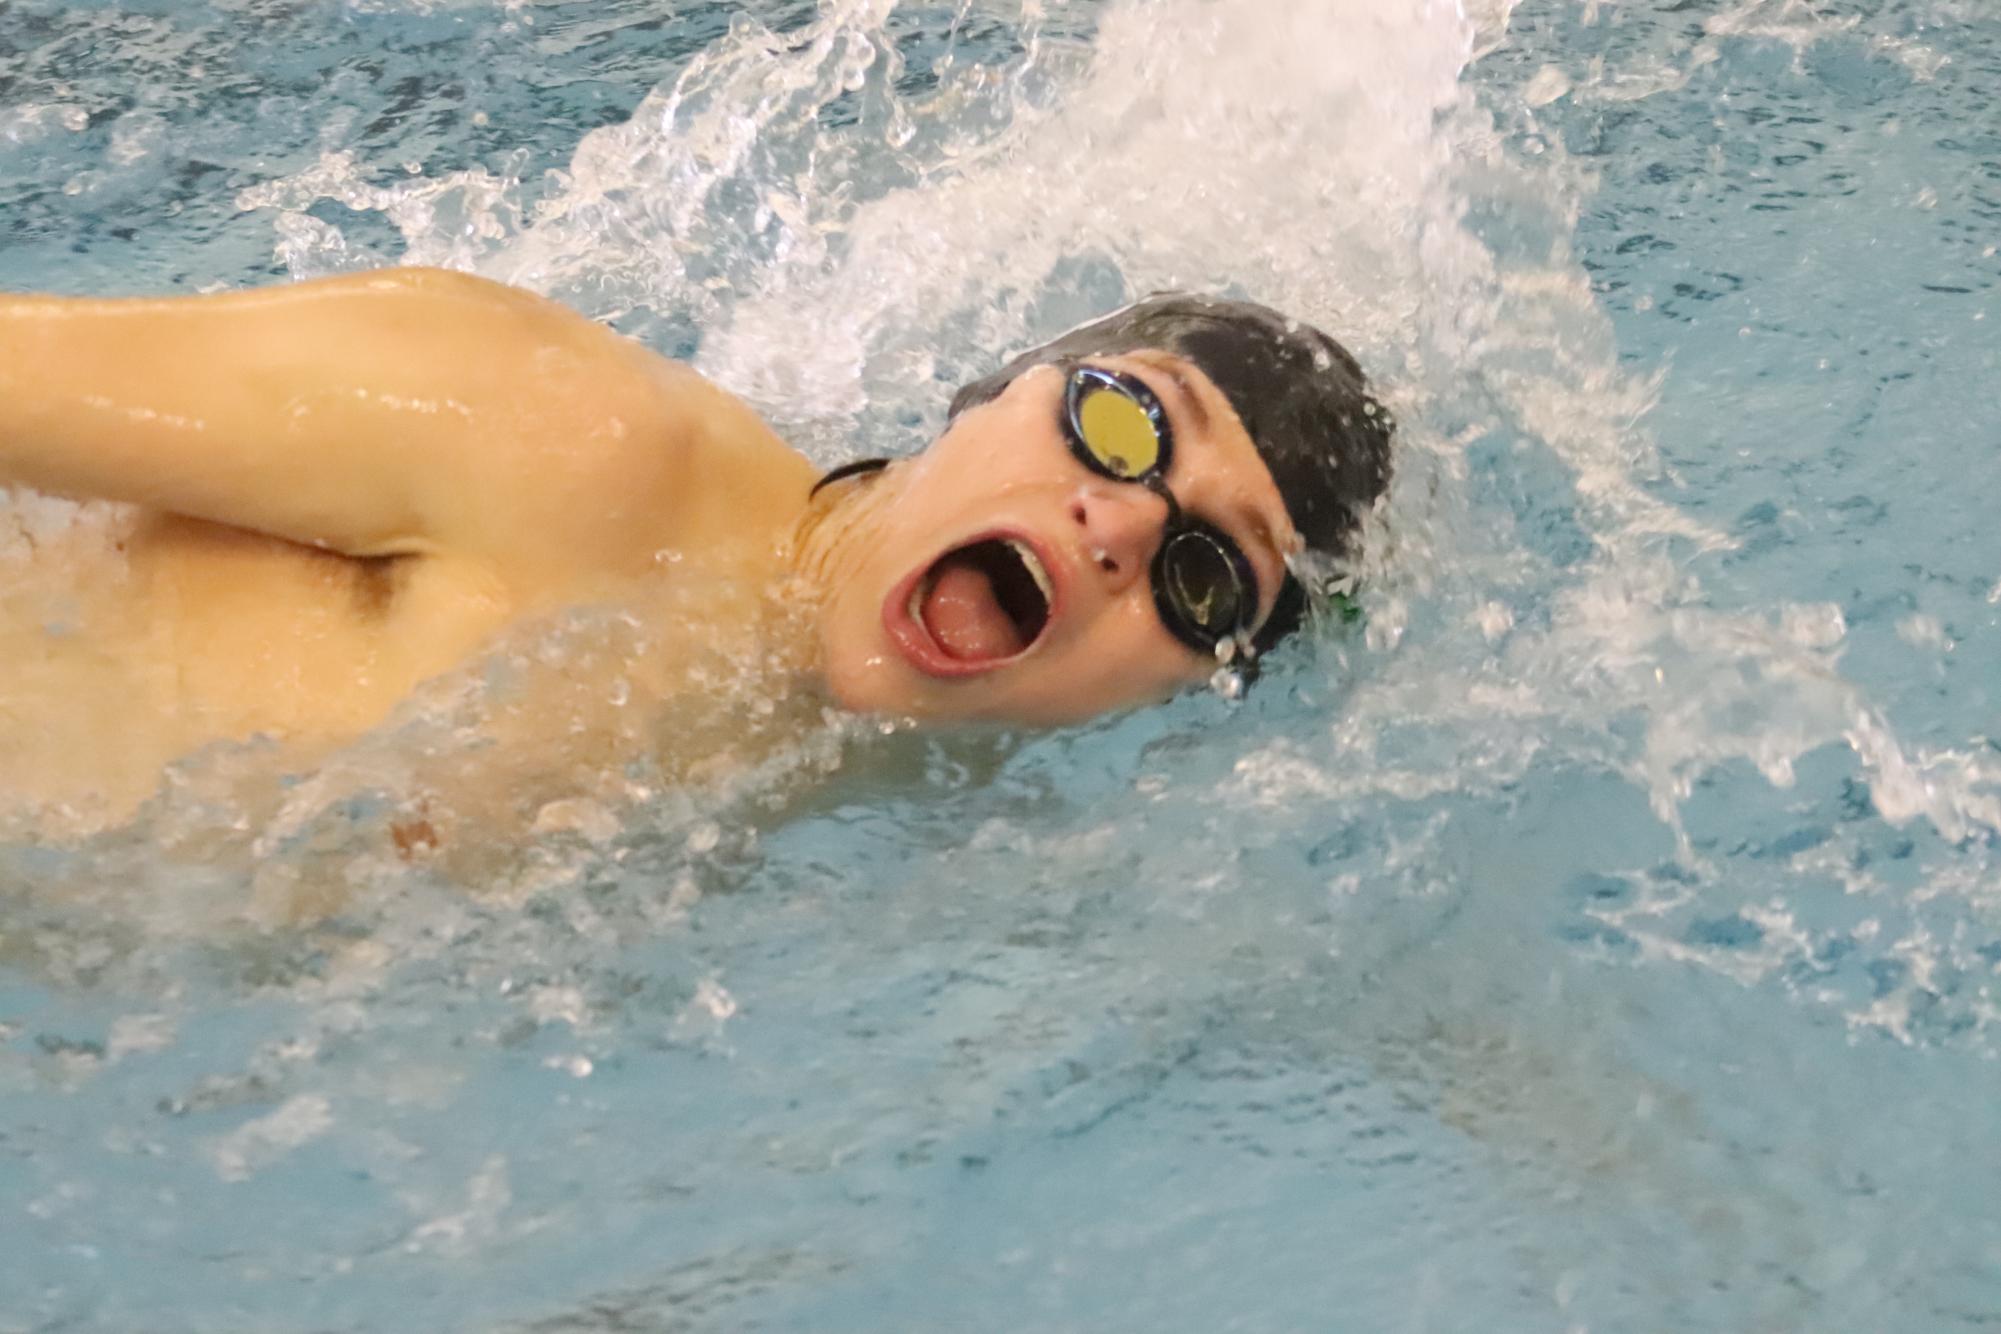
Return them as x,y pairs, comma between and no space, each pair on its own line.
1032,693
879,683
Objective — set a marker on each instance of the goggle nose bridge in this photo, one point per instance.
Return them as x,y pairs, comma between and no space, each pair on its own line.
1155,483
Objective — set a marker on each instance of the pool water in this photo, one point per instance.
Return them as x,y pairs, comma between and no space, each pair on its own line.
1602,936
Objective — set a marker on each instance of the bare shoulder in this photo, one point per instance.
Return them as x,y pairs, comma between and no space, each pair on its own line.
603,451
394,412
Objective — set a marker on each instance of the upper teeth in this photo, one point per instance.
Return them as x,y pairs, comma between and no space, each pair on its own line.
1035,570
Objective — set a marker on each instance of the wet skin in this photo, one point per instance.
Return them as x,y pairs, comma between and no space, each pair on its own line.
334,491
1005,469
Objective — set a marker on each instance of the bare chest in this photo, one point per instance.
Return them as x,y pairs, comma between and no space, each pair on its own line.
268,636
125,649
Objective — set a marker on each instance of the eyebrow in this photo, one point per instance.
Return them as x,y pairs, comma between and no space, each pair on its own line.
1190,400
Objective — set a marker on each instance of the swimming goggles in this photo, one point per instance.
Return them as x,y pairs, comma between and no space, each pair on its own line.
1204,586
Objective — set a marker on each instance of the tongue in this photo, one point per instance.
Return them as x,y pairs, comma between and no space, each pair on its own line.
963,615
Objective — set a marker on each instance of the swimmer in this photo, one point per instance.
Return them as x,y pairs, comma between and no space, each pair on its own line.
330,493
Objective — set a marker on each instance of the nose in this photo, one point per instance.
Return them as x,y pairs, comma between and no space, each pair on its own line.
1118,529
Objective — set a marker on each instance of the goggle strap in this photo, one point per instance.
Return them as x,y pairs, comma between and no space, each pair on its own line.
1287,610
853,468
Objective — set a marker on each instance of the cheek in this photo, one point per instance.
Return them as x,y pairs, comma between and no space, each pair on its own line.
993,447
1127,661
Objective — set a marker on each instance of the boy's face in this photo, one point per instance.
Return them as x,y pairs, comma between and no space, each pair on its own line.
1008,581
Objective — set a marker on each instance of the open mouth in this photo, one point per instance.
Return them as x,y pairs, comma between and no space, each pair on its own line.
980,604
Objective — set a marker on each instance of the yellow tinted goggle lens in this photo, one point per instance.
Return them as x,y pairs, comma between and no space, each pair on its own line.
1118,432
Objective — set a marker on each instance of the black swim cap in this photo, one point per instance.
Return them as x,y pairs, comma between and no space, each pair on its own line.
1301,397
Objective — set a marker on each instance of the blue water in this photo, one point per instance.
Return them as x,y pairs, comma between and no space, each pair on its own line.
1604,938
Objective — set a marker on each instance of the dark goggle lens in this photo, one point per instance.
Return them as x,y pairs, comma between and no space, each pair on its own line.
1202,585
1117,431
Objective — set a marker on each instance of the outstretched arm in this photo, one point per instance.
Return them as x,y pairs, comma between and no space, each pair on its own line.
405,410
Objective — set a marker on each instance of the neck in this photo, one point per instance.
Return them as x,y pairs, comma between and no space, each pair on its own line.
834,532
827,544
